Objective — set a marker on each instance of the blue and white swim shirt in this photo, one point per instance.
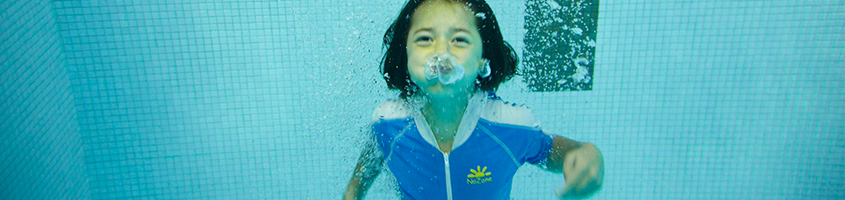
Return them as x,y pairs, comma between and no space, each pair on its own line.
493,140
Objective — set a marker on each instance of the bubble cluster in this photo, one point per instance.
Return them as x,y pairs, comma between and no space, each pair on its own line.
443,67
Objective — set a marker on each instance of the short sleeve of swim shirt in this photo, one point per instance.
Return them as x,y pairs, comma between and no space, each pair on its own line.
516,126
389,120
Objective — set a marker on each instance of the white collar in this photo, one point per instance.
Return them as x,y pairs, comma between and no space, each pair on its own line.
475,107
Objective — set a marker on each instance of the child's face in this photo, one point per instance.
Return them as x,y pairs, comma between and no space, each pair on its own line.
439,27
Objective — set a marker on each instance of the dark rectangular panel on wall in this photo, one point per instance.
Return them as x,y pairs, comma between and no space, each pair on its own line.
560,44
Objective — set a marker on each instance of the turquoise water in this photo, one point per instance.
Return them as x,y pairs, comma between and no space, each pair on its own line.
269,99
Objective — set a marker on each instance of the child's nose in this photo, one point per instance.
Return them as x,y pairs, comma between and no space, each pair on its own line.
441,47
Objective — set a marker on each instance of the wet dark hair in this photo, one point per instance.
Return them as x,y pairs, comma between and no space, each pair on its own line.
502,57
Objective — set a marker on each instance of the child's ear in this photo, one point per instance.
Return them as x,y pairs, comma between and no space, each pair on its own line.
484,70
484,61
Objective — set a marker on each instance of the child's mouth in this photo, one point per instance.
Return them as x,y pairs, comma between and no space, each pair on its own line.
444,68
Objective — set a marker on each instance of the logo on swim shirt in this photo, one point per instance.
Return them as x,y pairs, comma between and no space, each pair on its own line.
479,176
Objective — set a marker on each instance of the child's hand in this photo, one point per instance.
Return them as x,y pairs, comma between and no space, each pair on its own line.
583,170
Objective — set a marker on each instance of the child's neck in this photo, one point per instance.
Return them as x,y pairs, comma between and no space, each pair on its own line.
445,111
444,116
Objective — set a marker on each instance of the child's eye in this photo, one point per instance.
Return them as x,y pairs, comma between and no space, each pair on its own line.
461,41
423,40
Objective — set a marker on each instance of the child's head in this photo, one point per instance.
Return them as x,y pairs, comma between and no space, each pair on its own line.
465,29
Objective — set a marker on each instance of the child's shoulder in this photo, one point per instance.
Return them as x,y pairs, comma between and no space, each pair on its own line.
391,109
500,111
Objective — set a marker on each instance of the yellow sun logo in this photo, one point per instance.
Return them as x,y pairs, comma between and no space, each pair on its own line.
479,173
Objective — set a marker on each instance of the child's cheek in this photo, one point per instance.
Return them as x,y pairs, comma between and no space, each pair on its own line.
417,75
416,72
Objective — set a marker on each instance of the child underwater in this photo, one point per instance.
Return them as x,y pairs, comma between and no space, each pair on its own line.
449,136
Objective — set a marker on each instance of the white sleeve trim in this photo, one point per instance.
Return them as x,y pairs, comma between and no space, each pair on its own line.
391,109
510,113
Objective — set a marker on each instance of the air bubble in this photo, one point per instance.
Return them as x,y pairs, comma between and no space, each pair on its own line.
443,67
481,15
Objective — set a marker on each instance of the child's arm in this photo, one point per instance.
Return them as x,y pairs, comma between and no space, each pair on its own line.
582,166
368,168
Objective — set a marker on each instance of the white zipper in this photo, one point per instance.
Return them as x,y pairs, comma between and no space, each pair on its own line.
448,177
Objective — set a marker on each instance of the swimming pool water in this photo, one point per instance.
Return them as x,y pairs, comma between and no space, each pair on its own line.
269,99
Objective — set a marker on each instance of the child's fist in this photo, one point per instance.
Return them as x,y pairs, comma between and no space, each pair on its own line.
583,171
